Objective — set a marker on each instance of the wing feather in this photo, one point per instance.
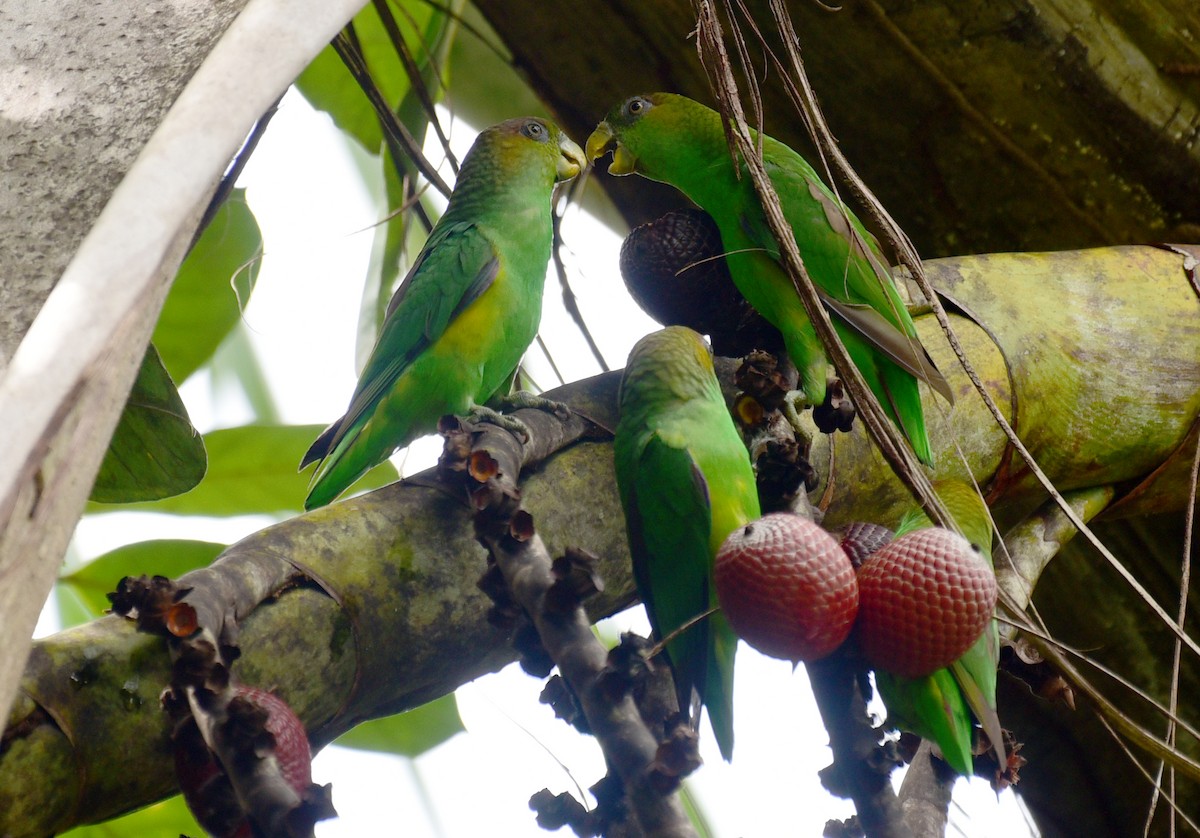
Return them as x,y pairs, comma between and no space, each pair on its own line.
450,273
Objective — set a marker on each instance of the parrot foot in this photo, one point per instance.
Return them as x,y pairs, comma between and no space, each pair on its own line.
512,424
523,398
793,403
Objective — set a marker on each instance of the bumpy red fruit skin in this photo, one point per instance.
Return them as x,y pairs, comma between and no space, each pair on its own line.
786,587
924,599
205,787
291,741
862,538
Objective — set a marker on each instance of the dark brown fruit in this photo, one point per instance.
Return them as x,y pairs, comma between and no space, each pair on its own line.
862,538
674,269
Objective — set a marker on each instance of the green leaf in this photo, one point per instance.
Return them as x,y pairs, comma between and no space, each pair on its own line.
87,586
211,289
155,452
409,734
328,85
252,470
168,817
496,91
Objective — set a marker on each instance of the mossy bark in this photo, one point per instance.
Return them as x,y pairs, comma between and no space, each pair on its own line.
392,617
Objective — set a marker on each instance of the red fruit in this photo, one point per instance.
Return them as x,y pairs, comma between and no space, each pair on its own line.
786,587
924,599
861,539
205,786
292,750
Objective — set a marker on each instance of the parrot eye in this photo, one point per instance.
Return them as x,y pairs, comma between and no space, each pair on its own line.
534,130
636,106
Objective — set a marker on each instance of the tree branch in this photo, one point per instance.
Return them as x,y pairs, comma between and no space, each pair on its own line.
61,396
369,613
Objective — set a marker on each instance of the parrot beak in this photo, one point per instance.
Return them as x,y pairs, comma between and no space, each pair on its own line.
571,162
599,143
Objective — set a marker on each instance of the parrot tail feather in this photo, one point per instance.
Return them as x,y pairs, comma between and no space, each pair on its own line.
902,403
319,450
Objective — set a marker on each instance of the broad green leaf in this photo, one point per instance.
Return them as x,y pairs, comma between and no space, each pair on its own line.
85,588
409,734
211,289
155,452
328,85
164,819
252,470
496,92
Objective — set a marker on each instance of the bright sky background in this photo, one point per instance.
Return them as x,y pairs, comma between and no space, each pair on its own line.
305,189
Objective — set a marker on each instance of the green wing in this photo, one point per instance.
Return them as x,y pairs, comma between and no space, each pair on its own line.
669,519
457,264
857,289
933,708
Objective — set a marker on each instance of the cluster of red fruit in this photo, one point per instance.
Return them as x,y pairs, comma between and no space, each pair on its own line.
789,589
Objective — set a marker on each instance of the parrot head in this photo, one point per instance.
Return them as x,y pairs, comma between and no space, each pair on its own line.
675,362
643,132
965,505
529,144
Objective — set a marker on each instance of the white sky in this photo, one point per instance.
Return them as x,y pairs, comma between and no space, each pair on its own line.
316,216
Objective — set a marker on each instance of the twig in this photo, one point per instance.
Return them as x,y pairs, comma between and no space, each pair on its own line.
415,78
861,765
891,444
230,178
1185,577
568,296
398,136
489,461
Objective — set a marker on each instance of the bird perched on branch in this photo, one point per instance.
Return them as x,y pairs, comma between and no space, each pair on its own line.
673,139
685,481
456,328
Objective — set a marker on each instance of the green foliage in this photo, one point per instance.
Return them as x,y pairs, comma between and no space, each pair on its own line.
155,452
408,734
328,85
252,470
166,818
211,289
495,92
81,593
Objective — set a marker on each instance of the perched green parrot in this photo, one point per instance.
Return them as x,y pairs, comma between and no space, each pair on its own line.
670,138
458,325
685,481
936,707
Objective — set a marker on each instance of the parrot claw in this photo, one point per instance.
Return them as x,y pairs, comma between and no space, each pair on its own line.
512,424
793,403
523,398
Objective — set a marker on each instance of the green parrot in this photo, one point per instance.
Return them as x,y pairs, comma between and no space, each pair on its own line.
458,325
685,482
936,707
670,138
